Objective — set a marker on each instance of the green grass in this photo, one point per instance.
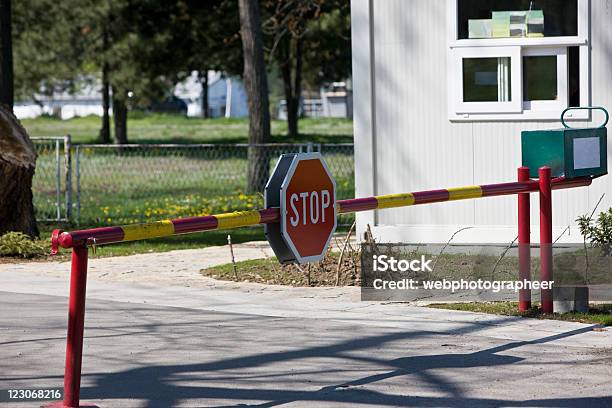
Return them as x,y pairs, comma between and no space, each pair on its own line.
598,314
167,128
134,186
119,188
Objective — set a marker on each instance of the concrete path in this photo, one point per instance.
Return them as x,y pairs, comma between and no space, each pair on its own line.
158,335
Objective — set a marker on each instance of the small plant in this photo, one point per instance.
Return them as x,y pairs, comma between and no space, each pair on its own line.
599,232
20,245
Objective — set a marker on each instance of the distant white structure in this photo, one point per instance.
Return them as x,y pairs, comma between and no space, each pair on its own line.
65,106
226,98
336,102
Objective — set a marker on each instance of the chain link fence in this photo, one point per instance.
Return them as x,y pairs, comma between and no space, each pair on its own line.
52,200
118,184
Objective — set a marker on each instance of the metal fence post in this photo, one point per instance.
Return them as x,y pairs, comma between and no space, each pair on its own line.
58,181
78,182
68,175
309,147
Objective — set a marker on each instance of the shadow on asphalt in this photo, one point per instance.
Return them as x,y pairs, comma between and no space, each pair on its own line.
151,383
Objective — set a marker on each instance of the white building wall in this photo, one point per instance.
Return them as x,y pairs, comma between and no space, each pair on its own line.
405,141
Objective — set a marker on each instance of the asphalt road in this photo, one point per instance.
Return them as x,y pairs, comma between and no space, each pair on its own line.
231,345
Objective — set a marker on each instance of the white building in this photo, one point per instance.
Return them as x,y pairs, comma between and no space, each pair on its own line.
437,108
336,101
88,101
226,98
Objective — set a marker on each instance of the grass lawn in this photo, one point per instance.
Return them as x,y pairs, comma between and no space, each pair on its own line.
133,185
167,128
598,314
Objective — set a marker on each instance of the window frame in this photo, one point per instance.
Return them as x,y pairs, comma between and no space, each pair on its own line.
562,101
530,110
512,106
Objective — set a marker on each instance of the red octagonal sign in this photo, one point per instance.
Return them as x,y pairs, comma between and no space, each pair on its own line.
308,207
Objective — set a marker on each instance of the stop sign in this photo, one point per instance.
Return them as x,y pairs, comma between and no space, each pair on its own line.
308,207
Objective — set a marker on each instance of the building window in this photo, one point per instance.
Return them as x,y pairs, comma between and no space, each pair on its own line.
560,16
517,59
487,80
545,79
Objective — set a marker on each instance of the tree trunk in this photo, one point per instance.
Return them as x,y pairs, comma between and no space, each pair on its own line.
292,82
204,82
17,166
6,55
120,120
297,87
290,103
256,84
105,134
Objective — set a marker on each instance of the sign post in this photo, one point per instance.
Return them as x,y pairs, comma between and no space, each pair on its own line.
304,189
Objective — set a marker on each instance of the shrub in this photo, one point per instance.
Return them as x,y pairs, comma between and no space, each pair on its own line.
20,245
598,233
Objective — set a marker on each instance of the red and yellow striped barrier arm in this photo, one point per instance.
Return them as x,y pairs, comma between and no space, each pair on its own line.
135,232
107,235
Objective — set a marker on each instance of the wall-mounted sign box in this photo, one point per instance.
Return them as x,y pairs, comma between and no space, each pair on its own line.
569,152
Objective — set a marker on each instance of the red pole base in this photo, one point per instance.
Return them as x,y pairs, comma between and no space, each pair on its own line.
546,266
524,305
76,323
524,242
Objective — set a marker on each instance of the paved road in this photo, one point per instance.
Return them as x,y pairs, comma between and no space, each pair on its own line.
162,344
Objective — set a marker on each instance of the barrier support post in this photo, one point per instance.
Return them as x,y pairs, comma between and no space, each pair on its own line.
76,323
546,273
524,242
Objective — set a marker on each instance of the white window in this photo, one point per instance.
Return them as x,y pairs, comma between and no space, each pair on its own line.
518,59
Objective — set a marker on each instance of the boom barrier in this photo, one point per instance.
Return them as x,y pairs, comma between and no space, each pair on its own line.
157,229
301,210
80,240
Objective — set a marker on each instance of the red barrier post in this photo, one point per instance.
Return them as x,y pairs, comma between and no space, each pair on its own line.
546,273
524,242
76,323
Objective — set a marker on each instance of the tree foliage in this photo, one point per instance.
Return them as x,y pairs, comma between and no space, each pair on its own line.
142,48
309,41
48,53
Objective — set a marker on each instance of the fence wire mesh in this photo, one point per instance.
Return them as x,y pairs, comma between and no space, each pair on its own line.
141,183
49,182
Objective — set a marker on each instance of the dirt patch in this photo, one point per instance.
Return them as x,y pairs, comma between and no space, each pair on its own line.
269,271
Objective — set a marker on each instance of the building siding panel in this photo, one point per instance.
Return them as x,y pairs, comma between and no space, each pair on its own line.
417,147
